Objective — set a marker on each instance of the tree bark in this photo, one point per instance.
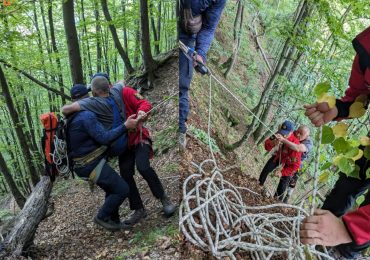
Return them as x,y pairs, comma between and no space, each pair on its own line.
149,63
18,127
19,198
26,223
117,43
98,38
72,42
89,65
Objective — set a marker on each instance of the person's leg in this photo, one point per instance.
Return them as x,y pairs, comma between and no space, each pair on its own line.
291,186
269,167
116,190
127,171
343,195
142,154
185,76
283,184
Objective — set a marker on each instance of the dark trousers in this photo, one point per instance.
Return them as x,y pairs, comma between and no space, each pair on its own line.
116,189
283,185
139,156
341,199
269,167
185,76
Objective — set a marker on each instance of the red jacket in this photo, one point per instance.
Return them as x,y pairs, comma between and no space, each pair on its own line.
290,159
358,224
358,221
133,103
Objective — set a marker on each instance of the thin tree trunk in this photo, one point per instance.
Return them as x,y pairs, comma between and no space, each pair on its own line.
19,198
18,127
72,42
89,65
117,43
98,38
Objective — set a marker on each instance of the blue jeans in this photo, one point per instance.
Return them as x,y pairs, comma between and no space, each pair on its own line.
116,189
185,76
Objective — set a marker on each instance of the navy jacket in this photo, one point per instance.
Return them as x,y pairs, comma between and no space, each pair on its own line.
86,133
211,11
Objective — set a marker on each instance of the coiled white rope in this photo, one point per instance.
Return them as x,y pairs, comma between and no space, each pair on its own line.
214,217
60,155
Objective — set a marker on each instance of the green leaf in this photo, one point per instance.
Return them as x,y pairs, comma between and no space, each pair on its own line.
367,152
360,199
368,173
325,166
355,173
346,165
324,177
352,152
321,88
327,135
341,145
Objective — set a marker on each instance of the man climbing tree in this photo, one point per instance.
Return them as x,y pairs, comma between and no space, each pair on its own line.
288,158
122,102
346,189
88,141
198,22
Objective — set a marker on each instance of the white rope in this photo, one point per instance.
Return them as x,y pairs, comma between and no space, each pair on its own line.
214,217
59,155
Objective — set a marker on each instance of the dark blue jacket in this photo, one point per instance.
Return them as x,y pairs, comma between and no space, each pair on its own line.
86,133
211,11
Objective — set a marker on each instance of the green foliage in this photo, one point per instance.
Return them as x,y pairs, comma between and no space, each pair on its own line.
203,136
327,135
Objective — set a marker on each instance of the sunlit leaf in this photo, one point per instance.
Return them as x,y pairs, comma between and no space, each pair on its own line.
359,155
321,88
328,99
356,110
340,129
365,140
325,166
360,199
324,177
346,165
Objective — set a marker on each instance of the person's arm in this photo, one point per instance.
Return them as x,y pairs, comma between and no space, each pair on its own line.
71,108
96,130
209,24
358,224
293,146
323,228
133,99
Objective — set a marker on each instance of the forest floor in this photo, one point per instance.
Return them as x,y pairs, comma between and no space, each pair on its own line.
70,232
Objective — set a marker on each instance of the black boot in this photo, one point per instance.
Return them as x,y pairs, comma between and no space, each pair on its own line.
168,207
107,224
135,217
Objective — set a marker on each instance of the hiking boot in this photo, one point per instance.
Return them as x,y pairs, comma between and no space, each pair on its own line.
182,141
107,224
135,217
168,207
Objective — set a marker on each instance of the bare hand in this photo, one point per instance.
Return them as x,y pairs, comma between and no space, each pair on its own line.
198,58
280,138
323,228
142,116
320,113
131,122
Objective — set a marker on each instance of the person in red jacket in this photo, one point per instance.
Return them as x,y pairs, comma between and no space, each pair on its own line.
112,105
288,158
346,189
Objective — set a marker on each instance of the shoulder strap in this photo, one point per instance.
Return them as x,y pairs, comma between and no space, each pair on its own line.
363,55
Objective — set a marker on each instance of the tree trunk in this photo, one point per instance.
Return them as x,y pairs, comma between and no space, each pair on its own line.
89,65
98,38
72,42
55,49
19,198
26,223
149,63
117,43
155,34
18,127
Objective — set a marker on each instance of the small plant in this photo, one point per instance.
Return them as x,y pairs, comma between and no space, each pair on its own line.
203,136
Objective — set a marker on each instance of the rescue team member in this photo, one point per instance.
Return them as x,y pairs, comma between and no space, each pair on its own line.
88,141
304,147
139,149
198,22
347,189
288,158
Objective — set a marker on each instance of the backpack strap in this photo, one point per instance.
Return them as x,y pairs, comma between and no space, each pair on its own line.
364,56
